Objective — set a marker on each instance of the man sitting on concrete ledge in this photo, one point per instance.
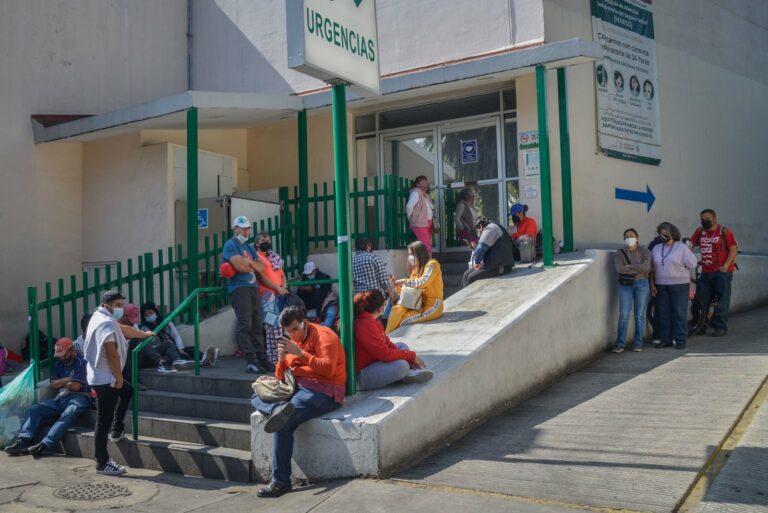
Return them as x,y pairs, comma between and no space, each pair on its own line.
316,357
493,256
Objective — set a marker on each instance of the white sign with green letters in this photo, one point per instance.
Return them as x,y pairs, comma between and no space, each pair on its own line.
334,40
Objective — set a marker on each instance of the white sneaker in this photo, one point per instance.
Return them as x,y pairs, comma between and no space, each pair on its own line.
165,369
418,376
111,468
183,364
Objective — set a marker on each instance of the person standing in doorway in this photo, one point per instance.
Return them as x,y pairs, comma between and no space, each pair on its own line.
106,351
421,212
465,218
244,296
718,262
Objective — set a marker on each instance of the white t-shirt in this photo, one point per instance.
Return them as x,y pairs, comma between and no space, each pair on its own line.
102,329
79,343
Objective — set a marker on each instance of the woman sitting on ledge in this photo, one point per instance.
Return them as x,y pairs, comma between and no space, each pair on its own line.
425,276
378,361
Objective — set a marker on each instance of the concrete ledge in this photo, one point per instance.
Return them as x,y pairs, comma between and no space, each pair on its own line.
750,283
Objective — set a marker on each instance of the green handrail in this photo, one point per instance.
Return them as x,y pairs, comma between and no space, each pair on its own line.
193,298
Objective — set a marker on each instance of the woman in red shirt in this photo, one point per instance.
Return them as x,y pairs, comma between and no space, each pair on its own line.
524,225
378,361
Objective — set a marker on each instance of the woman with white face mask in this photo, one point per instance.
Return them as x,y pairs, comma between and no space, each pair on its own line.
633,265
427,277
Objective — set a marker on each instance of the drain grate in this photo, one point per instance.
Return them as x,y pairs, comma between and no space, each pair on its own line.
92,491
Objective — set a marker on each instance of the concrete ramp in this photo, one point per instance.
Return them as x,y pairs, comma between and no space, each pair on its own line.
499,341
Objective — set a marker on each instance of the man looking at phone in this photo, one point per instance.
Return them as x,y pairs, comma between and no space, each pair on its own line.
315,356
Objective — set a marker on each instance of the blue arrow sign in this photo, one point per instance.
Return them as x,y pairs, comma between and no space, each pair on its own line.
646,197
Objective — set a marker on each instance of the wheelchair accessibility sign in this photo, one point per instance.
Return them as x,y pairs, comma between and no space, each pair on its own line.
202,218
469,151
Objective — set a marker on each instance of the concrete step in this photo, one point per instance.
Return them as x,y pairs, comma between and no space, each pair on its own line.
452,280
168,456
454,267
232,435
208,383
198,406
452,257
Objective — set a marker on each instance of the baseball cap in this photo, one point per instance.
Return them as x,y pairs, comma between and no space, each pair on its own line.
241,222
516,209
309,267
62,346
111,295
132,312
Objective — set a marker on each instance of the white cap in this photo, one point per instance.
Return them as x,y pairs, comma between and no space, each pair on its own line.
309,267
241,222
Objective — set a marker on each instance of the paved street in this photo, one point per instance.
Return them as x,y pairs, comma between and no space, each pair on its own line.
629,432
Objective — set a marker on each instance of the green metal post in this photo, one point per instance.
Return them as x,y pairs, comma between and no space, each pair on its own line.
546,179
341,168
135,387
565,159
192,256
302,220
34,337
149,282
196,321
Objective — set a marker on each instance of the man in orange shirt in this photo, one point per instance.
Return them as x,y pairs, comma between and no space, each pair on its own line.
316,357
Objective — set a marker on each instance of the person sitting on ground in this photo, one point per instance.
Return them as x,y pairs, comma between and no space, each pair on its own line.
313,295
428,278
493,255
378,361
69,378
465,217
166,352
315,356
80,340
524,225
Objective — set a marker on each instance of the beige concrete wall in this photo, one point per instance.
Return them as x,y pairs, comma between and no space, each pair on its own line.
713,89
67,57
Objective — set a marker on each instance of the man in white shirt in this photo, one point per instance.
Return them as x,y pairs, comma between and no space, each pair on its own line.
106,351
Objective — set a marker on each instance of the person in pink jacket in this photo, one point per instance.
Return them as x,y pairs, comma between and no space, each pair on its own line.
421,211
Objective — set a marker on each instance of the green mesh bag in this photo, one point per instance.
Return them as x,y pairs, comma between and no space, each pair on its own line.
15,398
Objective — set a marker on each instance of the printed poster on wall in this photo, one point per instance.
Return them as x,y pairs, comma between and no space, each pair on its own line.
627,83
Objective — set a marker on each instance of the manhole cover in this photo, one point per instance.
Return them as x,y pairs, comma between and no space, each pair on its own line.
92,491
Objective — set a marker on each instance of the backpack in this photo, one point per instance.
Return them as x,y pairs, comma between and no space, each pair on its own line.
725,249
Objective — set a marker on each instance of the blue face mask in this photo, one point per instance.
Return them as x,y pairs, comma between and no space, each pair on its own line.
242,238
151,318
117,313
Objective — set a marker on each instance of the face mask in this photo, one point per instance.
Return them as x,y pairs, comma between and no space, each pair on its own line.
515,219
117,313
706,224
242,238
411,259
264,246
630,241
665,237
151,318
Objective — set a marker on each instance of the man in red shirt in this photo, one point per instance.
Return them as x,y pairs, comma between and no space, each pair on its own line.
718,255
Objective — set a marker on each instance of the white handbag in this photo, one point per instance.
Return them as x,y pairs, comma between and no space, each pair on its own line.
410,297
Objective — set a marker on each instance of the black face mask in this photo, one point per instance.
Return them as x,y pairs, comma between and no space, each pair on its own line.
706,224
664,237
264,246
515,219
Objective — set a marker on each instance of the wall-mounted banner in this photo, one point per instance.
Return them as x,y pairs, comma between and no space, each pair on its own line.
334,40
626,80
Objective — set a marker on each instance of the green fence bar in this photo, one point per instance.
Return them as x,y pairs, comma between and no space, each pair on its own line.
192,235
73,304
34,329
565,159
546,180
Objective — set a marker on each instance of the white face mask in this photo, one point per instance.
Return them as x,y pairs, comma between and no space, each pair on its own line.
630,241
411,259
242,238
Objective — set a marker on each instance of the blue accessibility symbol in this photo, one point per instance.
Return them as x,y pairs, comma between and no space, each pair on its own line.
202,218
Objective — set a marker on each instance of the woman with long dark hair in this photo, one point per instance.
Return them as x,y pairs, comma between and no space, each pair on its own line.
427,277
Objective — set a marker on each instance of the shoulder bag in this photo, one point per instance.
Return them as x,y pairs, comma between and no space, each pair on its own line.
627,280
410,297
272,390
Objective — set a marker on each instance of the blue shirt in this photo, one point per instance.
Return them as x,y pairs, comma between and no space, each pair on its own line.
232,248
76,371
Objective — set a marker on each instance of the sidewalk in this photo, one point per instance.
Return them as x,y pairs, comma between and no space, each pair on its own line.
628,432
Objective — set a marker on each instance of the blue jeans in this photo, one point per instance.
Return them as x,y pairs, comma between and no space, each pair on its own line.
381,374
638,293
672,313
707,286
330,316
68,408
308,404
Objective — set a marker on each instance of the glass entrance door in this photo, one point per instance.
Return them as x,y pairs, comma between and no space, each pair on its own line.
469,179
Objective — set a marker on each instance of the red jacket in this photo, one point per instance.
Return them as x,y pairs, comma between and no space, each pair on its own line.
373,345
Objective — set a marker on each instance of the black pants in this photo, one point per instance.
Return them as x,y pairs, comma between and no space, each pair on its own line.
158,350
111,407
250,331
472,275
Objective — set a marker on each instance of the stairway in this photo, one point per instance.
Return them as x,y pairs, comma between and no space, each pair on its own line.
453,265
191,425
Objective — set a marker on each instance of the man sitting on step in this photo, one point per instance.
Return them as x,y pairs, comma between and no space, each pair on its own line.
69,378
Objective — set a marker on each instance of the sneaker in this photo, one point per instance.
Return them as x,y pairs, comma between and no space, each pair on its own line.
418,376
164,368
19,447
254,368
618,349
183,364
656,343
637,349
274,489
111,468
116,436
211,356
279,417
37,450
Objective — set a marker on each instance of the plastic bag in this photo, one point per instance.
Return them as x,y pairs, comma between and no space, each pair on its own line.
15,399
